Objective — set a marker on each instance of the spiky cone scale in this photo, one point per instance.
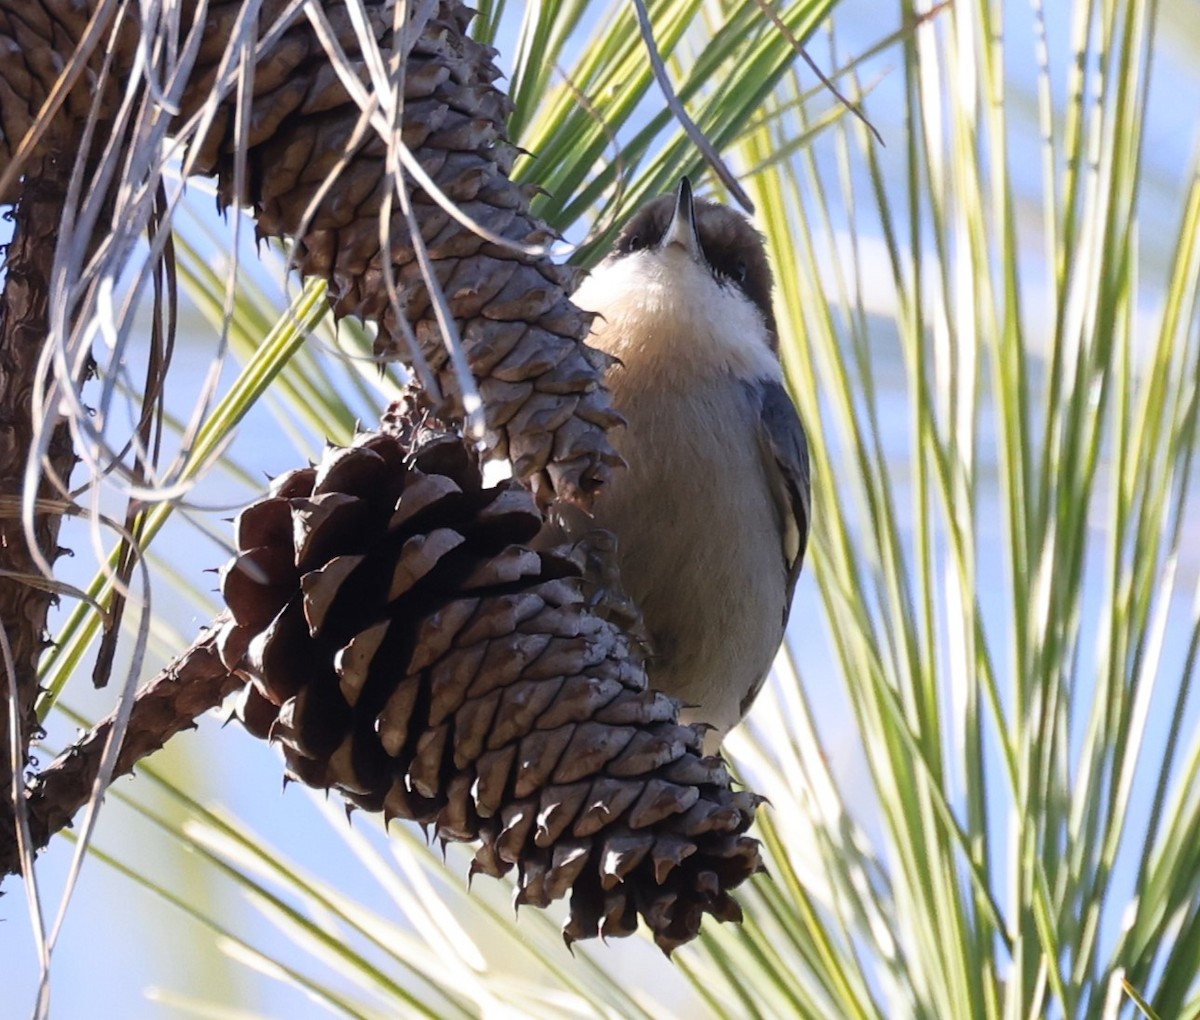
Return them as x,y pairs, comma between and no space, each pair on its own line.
405,647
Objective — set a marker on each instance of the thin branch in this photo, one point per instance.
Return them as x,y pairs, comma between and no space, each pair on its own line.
187,688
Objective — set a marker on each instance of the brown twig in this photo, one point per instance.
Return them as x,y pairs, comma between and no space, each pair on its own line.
170,703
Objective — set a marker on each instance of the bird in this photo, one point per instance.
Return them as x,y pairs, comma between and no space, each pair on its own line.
711,512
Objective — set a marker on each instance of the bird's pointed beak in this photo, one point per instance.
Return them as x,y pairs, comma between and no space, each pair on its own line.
681,231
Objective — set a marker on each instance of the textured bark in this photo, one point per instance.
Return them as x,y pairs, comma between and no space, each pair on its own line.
192,685
23,327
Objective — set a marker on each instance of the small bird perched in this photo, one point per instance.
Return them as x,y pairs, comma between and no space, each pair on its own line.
711,515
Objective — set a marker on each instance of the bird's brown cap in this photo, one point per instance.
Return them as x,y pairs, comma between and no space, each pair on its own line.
733,250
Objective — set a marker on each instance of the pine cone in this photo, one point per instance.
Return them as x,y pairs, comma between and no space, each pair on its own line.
544,407
405,647
37,39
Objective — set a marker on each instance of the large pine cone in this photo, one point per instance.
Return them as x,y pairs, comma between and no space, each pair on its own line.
406,648
540,385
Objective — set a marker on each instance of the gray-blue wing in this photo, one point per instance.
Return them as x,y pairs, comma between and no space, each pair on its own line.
785,459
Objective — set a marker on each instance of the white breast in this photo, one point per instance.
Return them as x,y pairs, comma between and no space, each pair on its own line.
699,531
666,313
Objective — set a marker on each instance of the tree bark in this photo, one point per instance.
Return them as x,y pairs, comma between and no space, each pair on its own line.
23,328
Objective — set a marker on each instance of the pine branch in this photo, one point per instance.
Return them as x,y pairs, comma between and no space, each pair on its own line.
170,703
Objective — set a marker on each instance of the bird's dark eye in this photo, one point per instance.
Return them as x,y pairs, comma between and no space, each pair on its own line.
734,270
634,242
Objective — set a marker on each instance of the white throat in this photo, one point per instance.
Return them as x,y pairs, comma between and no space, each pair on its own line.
661,306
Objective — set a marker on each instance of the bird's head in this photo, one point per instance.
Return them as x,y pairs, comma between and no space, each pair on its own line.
708,254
